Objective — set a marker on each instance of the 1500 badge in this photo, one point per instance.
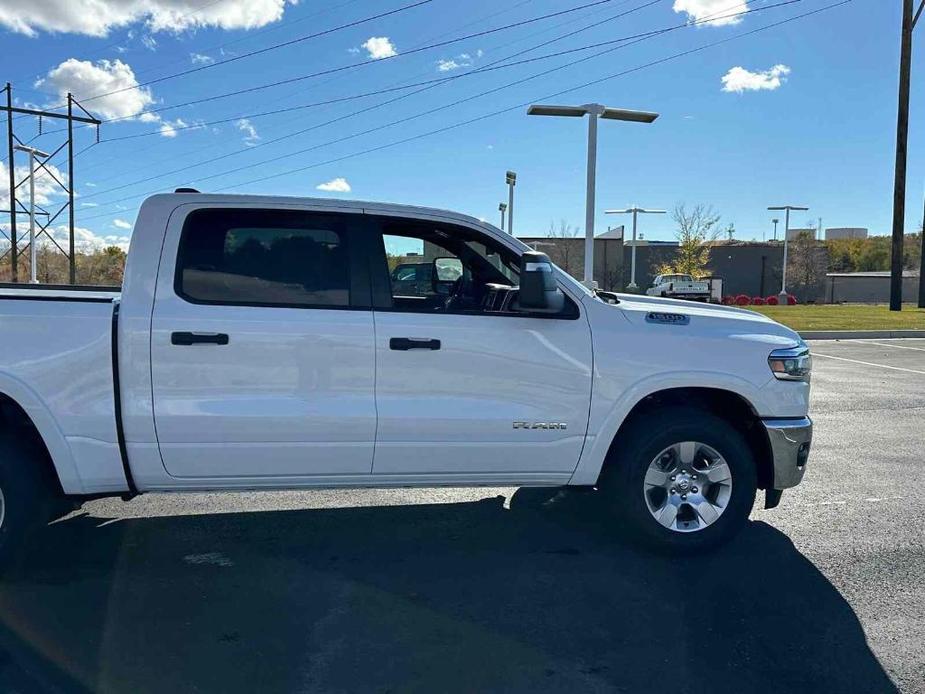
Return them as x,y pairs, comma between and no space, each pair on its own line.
667,318
539,425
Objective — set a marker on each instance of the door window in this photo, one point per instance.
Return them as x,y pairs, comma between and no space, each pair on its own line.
264,258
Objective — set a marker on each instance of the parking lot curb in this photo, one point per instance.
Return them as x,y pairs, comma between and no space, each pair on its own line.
859,334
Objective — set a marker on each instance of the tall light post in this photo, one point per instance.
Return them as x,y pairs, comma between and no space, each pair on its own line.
635,211
782,297
593,111
775,221
511,178
33,153
501,208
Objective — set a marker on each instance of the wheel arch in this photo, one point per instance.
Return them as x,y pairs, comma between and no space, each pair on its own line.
723,402
21,408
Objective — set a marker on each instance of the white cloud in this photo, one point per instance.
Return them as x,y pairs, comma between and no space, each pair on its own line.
379,47
121,224
89,204
250,132
169,128
149,42
739,80
85,79
85,240
335,185
702,10
46,189
99,17
456,62
201,59
90,184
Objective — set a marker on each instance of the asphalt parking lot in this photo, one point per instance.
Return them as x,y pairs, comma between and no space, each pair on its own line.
477,590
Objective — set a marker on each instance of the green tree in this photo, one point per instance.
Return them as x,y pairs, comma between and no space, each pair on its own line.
698,228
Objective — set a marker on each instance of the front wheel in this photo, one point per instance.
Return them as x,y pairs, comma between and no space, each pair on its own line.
681,479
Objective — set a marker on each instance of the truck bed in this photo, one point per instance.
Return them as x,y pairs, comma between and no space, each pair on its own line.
56,361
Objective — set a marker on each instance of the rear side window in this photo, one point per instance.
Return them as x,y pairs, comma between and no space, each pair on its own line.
264,258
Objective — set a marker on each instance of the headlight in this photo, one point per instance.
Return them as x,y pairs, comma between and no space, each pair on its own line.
792,364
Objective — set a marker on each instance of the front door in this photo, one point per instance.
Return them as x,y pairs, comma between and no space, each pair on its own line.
262,349
463,387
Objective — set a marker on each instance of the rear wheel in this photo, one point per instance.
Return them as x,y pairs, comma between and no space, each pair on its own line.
28,496
681,479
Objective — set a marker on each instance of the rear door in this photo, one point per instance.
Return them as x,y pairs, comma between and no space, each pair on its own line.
465,391
262,350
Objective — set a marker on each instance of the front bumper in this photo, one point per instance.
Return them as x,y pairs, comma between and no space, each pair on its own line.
790,440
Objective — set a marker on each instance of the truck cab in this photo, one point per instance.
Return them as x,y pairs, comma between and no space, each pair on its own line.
275,343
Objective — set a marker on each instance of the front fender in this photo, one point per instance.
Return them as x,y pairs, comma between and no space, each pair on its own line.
608,415
52,436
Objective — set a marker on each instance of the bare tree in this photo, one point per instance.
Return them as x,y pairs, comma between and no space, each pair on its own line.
806,265
567,255
698,228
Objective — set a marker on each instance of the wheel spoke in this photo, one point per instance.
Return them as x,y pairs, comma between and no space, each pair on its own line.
706,511
686,451
656,477
667,515
719,472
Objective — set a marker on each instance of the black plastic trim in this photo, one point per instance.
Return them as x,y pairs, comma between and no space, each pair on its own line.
71,299
117,395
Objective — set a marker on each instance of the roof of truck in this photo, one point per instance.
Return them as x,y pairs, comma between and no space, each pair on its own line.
368,205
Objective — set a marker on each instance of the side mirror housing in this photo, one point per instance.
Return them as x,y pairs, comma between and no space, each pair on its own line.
539,292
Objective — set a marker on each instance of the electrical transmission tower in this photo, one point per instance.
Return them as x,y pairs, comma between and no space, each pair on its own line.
17,207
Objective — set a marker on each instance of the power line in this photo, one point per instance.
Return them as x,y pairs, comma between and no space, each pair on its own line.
432,82
395,143
266,49
376,106
334,70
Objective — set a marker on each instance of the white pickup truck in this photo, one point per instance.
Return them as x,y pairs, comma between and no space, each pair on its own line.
258,343
679,286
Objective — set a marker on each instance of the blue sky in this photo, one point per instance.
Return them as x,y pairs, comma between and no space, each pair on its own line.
806,114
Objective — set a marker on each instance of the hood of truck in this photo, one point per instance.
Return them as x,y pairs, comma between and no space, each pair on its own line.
658,314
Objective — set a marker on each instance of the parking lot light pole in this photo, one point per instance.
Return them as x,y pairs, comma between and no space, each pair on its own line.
775,221
593,111
782,297
501,208
511,179
635,211
33,153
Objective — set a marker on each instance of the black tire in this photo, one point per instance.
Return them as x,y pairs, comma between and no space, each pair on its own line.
30,498
622,480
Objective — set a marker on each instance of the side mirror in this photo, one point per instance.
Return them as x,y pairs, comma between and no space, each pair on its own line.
444,273
538,289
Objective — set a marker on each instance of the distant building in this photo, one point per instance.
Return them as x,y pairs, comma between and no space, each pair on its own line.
794,234
868,287
845,233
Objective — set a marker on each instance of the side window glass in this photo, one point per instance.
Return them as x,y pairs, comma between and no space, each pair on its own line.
264,257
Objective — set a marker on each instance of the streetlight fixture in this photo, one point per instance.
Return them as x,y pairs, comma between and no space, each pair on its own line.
593,111
511,178
501,208
782,297
33,153
635,211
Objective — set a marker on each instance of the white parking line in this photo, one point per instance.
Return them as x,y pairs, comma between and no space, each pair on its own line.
868,363
887,344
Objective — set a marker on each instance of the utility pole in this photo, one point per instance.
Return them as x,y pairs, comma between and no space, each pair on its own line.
783,281
33,256
594,112
922,260
14,257
635,210
13,143
511,179
902,142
